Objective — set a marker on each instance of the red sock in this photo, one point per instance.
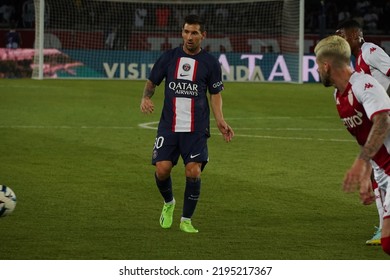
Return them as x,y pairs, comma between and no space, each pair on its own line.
386,244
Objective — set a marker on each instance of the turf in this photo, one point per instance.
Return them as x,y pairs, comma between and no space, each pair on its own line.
79,162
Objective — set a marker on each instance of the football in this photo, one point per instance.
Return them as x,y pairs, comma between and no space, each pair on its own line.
7,201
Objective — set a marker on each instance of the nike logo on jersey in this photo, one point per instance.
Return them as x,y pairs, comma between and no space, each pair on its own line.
184,75
194,156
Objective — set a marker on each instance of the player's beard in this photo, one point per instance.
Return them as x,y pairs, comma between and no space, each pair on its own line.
325,79
189,47
192,47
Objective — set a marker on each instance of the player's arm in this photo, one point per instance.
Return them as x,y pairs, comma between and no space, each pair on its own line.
379,131
216,106
147,105
359,174
364,183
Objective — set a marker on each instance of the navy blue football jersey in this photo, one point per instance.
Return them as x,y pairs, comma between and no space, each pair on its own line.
188,78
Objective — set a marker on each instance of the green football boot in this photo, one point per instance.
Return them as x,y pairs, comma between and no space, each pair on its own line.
187,226
167,215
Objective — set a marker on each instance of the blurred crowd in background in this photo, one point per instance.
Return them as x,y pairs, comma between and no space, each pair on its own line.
117,21
321,16
373,15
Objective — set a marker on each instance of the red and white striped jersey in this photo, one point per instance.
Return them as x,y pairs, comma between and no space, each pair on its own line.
362,99
373,60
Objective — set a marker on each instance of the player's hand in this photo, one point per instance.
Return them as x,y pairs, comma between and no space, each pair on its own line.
226,130
229,134
147,106
358,177
367,195
355,175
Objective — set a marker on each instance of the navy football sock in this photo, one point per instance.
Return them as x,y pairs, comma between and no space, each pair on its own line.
191,196
165,188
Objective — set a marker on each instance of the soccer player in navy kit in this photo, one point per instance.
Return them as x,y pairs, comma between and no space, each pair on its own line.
363,106
189,72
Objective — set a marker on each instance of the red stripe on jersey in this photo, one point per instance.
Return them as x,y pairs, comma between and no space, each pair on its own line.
192,114
338,93
177,68
388,73
174,114
361,65
195,68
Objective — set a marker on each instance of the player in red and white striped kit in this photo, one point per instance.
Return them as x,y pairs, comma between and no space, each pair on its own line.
372,60
364,108
369,57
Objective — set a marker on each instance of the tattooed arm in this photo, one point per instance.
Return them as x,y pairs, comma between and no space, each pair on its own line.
147,105
358,176
380,129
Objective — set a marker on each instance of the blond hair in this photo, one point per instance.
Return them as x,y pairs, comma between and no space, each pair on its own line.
335,49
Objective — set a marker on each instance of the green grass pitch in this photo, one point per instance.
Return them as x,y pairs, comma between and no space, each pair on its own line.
77,154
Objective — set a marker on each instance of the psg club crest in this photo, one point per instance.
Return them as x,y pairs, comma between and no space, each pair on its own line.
186,67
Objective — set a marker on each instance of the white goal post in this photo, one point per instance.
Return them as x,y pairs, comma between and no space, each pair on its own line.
254,40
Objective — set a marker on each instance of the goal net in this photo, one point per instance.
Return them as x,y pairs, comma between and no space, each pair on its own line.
256,40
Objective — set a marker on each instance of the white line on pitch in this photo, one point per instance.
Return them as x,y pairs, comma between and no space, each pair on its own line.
148,125
294,138
64,127
283,118
288,129
151,125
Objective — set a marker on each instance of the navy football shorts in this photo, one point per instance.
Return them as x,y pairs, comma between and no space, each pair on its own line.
191,146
